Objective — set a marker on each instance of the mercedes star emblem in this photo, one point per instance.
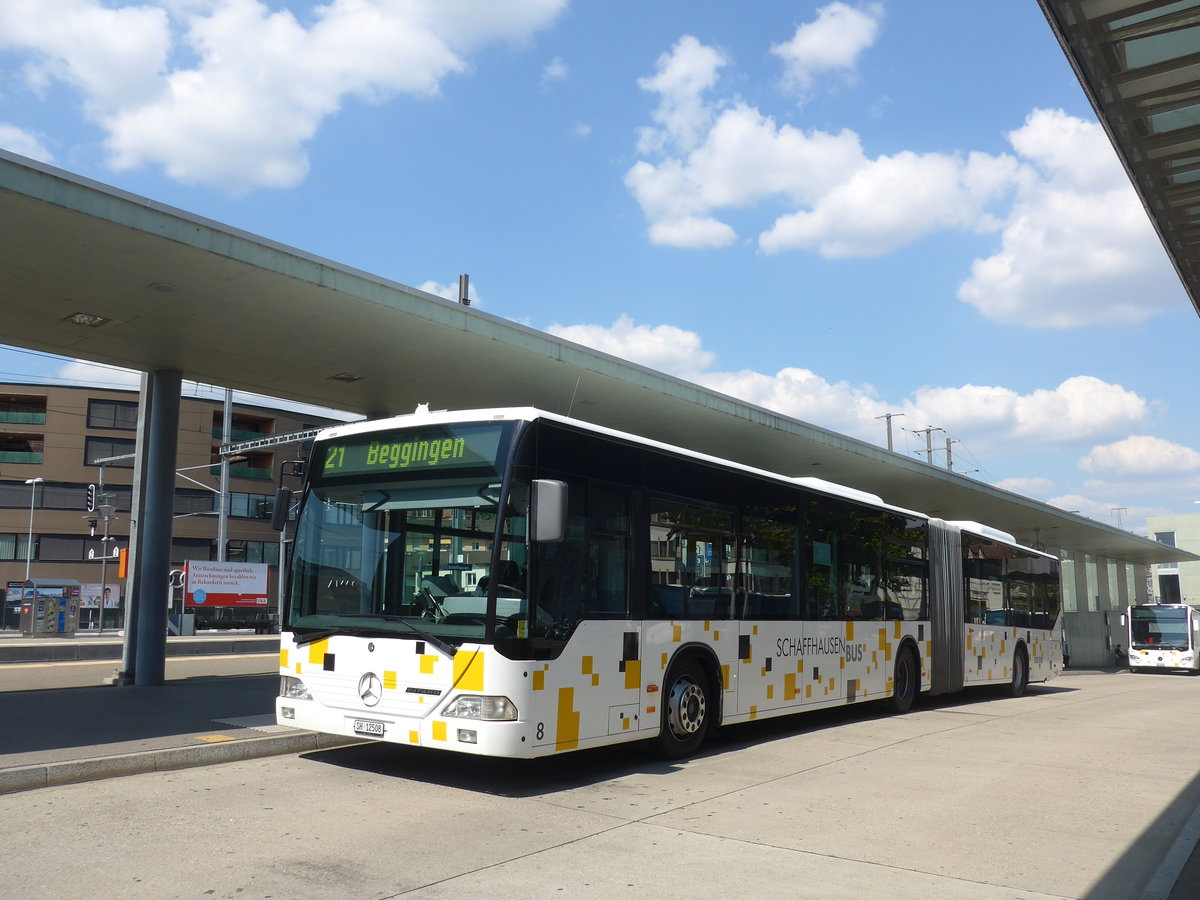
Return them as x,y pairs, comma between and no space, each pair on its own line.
370,688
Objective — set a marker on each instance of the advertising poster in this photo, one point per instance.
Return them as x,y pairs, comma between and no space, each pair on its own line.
212,584
90,593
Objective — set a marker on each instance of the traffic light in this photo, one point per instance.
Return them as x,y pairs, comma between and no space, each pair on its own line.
91,498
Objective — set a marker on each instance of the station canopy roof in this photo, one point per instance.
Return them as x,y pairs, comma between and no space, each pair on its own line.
1139,64
101,275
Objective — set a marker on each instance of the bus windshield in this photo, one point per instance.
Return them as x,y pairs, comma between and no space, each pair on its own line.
407,553
1159,628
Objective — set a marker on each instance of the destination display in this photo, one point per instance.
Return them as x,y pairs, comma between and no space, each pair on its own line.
434,448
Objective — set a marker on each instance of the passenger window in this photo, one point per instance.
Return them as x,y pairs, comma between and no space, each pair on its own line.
691,560
768,588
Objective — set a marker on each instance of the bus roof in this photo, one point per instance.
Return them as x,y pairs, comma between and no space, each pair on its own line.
995,534
529,414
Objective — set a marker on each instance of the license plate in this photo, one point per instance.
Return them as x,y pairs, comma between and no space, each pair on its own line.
368,728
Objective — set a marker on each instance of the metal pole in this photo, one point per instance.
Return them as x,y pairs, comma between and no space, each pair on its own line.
222,501
889,417
103,561
33,483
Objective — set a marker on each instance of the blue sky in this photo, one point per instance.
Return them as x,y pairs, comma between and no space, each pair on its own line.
836,210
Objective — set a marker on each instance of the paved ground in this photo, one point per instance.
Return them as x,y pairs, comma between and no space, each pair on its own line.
1098,762
85,733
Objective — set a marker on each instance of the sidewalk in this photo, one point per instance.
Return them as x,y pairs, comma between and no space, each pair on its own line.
69,735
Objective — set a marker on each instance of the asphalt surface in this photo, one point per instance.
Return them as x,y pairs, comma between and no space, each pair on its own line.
64,736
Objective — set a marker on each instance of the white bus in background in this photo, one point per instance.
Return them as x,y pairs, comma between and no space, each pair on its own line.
1163,637
510,582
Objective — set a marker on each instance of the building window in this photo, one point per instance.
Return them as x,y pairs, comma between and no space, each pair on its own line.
1165,537
253,552
183,549
102,448
1168,589
250,506
63,547
120,414
12,546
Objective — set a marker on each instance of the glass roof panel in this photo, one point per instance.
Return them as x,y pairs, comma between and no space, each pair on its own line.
1158,48
1175,119
1164,10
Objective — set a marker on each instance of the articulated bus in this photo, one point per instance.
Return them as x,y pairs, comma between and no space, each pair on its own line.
516,583
1163,637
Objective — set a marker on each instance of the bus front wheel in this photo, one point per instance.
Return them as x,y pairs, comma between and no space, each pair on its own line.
686,710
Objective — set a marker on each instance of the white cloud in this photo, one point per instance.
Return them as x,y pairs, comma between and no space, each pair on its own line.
581,129
114,56
18,140
1079,408
257,83
1139,456
683,76
555,71
662,347
832,42
79,371
710,156
1077,247
1083,408
892,201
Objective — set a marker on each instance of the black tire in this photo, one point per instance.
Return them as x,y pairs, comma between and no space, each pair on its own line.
1020,673
906,680
686,712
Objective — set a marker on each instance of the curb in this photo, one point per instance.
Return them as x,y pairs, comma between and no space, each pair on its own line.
40,775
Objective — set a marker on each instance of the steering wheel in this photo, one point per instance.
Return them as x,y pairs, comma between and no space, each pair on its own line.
430,605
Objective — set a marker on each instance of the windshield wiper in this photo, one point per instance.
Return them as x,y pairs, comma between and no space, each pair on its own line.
445,646
321,633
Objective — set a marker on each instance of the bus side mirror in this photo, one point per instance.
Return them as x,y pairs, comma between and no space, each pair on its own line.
283,504
548,506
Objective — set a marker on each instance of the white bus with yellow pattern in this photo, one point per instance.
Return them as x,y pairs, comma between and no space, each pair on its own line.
515,583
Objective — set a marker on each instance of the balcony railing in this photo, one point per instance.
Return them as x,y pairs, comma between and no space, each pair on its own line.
241,472
19,456
22,418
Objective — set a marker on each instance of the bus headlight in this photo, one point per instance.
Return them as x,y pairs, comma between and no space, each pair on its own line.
487,709
293,688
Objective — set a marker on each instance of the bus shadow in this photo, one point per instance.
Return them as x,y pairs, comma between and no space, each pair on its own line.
524,778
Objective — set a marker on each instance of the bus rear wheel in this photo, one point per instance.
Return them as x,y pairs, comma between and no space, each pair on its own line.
1020,673
686,710
905,679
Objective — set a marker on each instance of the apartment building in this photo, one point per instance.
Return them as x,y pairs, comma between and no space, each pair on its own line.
50,438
